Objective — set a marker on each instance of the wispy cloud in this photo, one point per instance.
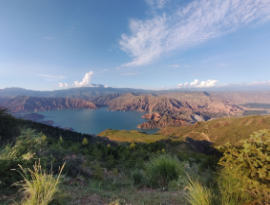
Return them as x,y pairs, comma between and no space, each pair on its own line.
260,83
178,66
86,80
50,77
198,84
197,22
47,38
222,64
129,74
157,3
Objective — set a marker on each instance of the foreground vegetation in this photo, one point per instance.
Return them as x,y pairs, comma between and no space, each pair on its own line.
39,169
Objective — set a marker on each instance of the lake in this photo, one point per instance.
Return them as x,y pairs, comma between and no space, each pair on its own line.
94,121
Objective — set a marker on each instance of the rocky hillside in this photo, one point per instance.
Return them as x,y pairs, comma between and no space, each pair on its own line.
27,104
164,104
158,121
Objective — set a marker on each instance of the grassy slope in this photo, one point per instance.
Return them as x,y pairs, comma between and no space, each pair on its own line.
220,131
130,136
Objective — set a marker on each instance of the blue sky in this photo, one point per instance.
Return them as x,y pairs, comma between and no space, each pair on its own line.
148,44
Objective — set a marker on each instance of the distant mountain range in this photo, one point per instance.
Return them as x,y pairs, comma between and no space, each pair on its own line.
173,104
28,104
86,93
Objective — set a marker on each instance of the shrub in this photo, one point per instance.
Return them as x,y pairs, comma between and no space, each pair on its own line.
162,169
98,173
41,189
138,176
110,161
73,166
8,127
246,171
21,153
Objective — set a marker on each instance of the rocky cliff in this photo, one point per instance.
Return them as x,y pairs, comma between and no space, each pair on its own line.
28,104
159,122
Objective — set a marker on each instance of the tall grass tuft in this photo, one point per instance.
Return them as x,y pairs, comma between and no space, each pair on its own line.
198,194
40,188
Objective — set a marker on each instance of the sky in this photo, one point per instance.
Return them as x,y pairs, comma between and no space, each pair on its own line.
145,44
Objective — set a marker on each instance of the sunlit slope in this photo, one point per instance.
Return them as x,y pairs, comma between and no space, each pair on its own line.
220,131
130,136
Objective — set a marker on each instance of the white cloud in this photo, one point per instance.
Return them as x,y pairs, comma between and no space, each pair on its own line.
50,76
198,84
129,74
106,86
157,3
260,83
177,66
48,38
192,24
86,80
62,85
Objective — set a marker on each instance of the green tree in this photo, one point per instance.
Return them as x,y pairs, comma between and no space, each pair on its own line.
85,142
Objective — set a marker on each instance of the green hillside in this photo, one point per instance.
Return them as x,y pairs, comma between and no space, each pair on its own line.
220,131
130,136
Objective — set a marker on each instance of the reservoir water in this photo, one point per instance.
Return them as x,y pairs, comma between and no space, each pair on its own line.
94,121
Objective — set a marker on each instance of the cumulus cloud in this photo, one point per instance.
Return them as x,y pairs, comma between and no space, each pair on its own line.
198,84
106,86
86,80
194,23
62,85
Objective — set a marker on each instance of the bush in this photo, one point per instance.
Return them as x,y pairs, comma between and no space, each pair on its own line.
41,189
162,169
22,153
73,166
8,127
138,176
245,176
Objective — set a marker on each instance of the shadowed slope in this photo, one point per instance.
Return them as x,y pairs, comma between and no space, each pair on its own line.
26,104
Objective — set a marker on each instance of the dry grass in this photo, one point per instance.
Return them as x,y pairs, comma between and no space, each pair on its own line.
220,131
41,187
130,136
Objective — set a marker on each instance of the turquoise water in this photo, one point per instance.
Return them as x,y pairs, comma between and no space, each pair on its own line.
94,121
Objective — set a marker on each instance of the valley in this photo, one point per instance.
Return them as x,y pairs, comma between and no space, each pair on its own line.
171,108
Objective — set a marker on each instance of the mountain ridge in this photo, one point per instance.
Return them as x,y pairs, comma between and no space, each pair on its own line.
26,104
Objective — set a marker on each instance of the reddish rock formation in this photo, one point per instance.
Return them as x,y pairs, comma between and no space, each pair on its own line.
163,122
152,116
